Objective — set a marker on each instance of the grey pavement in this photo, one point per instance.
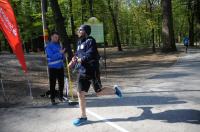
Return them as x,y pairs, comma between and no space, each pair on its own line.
167,102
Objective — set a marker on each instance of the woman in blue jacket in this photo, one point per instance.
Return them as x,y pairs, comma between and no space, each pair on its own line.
55,58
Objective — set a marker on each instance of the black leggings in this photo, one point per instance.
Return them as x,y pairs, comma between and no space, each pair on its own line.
56,74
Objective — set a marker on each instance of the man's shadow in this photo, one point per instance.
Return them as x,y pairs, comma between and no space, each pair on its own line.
169,116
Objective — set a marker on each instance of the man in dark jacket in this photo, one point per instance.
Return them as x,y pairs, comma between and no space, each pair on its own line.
55,57
87,57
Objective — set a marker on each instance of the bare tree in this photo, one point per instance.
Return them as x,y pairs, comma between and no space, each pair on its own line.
191,16
151,4
60,26
73,40
167,27
115,26
83,10
91,8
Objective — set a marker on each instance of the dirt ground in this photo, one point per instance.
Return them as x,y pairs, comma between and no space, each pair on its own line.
126,68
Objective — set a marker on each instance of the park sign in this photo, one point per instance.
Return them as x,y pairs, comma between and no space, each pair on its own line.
9,27
96,29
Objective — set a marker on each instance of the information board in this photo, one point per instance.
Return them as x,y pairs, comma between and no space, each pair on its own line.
96,29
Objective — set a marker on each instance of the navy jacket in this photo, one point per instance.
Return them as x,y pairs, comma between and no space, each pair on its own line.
186,41
87,51
54,57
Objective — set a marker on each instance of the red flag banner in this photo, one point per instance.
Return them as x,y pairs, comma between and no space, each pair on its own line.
9,27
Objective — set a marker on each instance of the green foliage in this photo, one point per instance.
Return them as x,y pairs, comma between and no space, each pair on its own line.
28,13
134,19
180,19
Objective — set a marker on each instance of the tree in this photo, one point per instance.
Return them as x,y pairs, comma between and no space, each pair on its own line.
72,25
167,27
60,26
191,16
151,4
192,8
197,10
91,8
83,10
115,26
133,23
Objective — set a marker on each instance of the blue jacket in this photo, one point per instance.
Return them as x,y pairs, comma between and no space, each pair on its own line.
87,51
54,57
186,41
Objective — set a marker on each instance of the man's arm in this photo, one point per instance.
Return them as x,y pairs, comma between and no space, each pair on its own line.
54,56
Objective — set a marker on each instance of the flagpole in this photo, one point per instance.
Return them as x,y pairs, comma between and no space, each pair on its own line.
4,94
45,29
29,85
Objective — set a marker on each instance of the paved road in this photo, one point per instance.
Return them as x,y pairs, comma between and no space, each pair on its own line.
167,102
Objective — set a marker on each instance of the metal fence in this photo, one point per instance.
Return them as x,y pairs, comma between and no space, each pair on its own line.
15,84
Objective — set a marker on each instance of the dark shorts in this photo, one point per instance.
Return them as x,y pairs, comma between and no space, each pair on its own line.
85,82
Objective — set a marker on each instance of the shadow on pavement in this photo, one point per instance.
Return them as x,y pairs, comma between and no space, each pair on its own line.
132,101
169,75
115,102
125,101
50,106
169,116
164,91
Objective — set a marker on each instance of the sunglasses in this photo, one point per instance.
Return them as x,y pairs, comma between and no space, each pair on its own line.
80,30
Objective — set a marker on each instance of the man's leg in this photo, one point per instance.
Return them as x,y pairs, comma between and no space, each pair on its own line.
110,91
98,74
104,90
83,87
186,48
82,103
96,82
52,80
61,83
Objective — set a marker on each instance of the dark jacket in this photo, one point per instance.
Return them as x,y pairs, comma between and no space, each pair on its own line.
87,51
186,41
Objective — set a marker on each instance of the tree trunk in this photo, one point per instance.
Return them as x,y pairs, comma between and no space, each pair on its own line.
127,33
191,23
167,27
83,10
197,10
159,32
191,31
91,8
152,31
60,26
115,26
0,47
153,42
72,25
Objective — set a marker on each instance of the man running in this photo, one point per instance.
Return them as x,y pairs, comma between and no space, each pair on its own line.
87,58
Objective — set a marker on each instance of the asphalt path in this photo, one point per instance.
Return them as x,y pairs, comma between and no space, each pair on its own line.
167,102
